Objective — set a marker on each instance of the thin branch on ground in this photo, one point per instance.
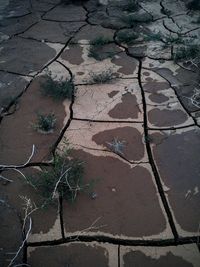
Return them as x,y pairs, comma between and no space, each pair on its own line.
23,243
2,167
59,180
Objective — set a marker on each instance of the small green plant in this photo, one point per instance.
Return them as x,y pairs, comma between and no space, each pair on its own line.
45,123
132,20
153,36
187,52
117,146
194,5
96,45
64,178
103,77
58,90
127,37
100,41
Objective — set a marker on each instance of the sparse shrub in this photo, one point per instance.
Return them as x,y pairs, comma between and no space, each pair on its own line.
133,19
127,37
45,123
153,36
58,90
64,178
103,77
187,52
96,45
194,5
100,41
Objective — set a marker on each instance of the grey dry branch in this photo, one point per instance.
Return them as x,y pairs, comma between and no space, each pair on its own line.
58,89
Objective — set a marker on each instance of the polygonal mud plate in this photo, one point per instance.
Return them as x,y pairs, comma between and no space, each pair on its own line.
17,55
153,8
66,13
180,256
12,26
119,100
52,31
123,201
124,140
46,220
11,86
90,32
76,58
176,154
183,81
163,106
174,7
76,254
16,144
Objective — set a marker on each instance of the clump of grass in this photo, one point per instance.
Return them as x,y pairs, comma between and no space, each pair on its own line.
97,44
100,41
133,19
65,178
129,20
45,123
194,5
127,37
103,77
187,52
58,90
153,36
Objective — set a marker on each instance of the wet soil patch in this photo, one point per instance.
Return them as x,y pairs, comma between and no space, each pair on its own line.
129,108
166,117
132,139
117,185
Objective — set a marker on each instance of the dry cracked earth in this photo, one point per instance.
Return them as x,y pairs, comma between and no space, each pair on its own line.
137,133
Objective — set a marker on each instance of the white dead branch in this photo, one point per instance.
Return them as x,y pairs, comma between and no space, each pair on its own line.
29,208
16,167
2,167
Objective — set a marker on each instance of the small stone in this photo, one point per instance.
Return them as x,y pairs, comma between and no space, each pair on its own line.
113,190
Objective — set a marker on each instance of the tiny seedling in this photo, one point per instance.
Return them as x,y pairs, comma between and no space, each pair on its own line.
103,77
45,123
58,89
117,146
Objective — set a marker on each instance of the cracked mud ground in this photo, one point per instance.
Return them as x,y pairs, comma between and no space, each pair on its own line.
145,207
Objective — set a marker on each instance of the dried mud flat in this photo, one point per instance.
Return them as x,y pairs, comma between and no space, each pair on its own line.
136,131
